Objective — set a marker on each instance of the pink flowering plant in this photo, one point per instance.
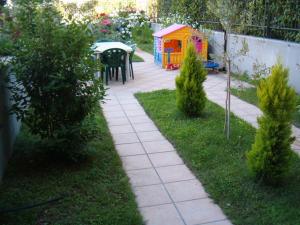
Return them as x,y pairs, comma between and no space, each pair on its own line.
120,26
104,28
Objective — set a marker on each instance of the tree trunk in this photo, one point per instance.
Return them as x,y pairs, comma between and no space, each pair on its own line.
228,99
228,86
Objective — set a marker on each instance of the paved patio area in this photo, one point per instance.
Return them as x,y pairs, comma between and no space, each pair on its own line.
166,190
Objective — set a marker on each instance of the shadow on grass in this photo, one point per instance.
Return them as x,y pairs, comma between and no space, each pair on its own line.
96,191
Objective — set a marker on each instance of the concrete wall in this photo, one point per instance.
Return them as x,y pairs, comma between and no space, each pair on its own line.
156,27
9,126
262,51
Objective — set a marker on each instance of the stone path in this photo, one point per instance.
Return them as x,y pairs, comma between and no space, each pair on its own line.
167,192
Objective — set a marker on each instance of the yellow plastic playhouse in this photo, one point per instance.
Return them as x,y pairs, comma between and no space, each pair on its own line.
171,42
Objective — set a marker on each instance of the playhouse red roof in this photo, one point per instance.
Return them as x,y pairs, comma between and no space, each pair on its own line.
168,30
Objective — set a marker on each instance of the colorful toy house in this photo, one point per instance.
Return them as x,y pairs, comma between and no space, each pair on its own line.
170,44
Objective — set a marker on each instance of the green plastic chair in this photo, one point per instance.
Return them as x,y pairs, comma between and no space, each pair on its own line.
133,46
113,59
130,63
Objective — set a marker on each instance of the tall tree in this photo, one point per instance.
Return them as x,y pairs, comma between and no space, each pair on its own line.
190,94
270,155
228,12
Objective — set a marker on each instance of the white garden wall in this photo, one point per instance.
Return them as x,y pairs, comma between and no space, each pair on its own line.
9,125
262,51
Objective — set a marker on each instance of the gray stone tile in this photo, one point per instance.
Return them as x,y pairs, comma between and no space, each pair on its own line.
121,129
174,173
142,127
151,195
139,119
165,159
127,101
240,112
130,149
157,146
139,112
133,106
125,96
136,162
200,211
161,215
111,115
143,177
118,121
150,136
113,108
111,102
222,222
125,138
186,190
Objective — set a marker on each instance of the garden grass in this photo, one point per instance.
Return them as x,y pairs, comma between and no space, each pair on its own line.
147,47
221,164
244,77
144,39
249,95
95,192
137,58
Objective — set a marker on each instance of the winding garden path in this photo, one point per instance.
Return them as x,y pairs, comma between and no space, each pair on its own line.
167,192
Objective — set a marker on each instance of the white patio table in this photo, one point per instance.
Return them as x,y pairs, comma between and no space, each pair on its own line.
100,47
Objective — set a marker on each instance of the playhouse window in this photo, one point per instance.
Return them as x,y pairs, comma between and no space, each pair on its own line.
198,43
172,45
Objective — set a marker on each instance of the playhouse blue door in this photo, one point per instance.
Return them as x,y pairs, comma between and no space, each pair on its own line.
158,58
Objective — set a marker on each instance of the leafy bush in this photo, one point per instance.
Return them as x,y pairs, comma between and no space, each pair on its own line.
270,155
190,95
6,45
171,18
280,13
6,42
56,87
142,34
297,113
69,143
126,22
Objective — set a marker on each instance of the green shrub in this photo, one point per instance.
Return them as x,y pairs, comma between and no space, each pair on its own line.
270,155
56,86
70,143
190,95
297,113
5,45
142,34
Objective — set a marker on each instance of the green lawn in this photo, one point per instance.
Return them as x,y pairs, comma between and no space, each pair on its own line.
146,47
144,39
249,95
136,58
245,78
246,94
96,192
221,165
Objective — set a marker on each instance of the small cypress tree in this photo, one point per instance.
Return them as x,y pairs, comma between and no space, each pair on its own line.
270,155
190,95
